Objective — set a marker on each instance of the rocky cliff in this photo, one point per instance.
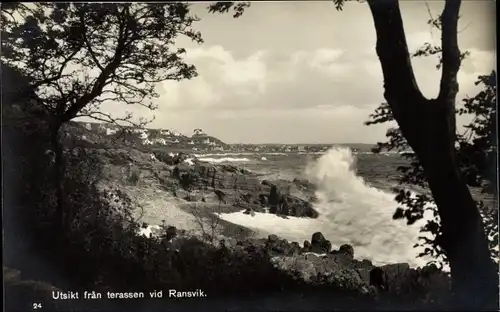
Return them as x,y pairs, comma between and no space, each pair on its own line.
113,135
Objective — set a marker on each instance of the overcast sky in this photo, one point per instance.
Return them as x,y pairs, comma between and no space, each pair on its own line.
301,72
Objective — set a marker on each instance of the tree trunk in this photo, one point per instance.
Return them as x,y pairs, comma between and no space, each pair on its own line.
429,127
59,170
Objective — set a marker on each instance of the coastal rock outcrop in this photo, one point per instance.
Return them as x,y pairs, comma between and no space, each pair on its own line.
239,188
339,268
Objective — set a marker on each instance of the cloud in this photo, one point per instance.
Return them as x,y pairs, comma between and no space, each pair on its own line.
216,61
277,79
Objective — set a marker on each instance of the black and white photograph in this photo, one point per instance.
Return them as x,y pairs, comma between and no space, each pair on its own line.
250,156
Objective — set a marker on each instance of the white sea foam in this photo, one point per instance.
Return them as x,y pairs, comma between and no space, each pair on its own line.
351,212
223,159
241,154
224,154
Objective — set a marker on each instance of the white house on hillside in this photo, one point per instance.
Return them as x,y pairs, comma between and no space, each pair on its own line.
160,141
111,131
198,131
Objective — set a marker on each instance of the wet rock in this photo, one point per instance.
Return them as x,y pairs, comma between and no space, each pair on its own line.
298,207
283,208
249,211
306,247
266,183
319,244
304,184
274,199
242,189
273,238
346,250
296,245
281,247
263,200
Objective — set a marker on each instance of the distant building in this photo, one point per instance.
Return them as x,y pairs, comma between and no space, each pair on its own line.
198,132
160,141
110,131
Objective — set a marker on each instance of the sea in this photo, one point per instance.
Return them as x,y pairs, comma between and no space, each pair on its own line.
355,201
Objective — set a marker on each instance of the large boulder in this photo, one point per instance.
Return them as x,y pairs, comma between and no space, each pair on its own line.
319,244
274,199
400,279
306,247
346,250
298,207
242,189
275,245
323,271
304,184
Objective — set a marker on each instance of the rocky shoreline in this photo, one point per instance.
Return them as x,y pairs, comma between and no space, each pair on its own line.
335,269
208,189
239,188
199,188
234,262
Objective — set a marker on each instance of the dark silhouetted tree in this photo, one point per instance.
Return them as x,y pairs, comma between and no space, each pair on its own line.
476,149
428,128
79,55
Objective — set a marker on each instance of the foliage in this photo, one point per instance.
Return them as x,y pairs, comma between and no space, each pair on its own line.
224,7
476,151
77,56
81,55
103,241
